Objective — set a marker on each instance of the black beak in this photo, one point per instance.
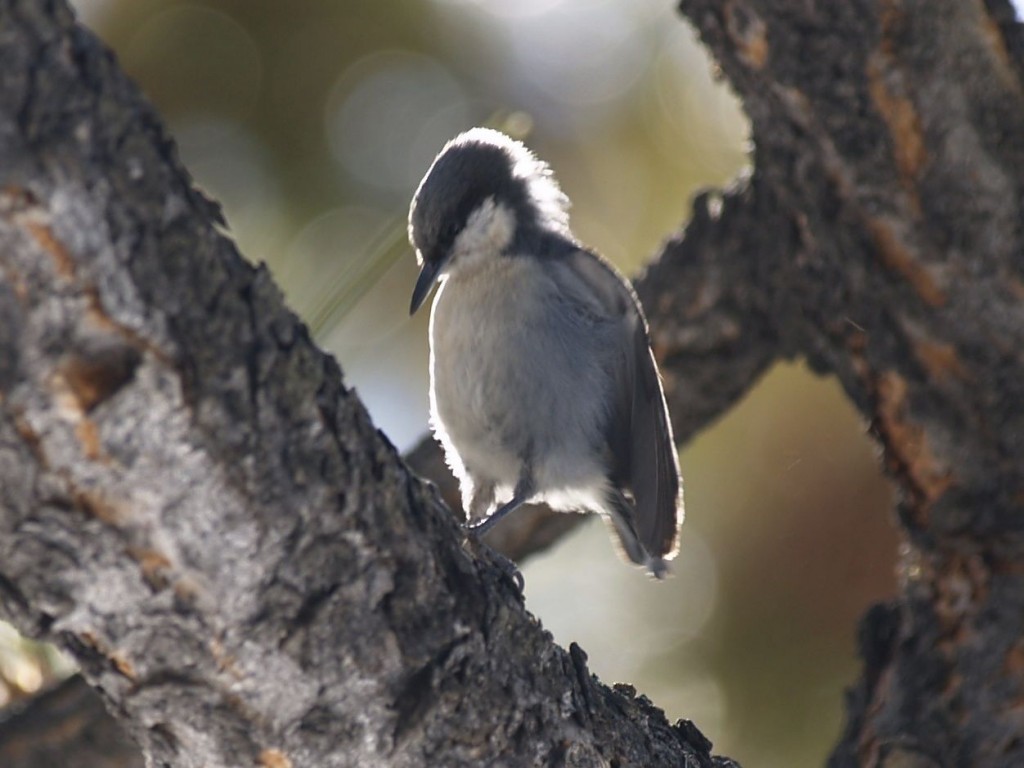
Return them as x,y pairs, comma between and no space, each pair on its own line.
428,274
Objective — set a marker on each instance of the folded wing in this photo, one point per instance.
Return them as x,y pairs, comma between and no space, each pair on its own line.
639,435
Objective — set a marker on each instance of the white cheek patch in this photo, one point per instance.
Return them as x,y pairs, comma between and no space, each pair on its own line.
488,232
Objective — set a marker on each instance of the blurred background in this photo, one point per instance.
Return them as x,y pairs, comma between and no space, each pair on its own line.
312,122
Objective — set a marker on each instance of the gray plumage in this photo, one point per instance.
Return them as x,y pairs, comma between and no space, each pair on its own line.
542,383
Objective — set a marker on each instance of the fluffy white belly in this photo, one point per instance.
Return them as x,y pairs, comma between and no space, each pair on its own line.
516,384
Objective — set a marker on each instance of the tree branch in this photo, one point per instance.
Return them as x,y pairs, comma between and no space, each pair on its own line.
169,432
195,506
890,157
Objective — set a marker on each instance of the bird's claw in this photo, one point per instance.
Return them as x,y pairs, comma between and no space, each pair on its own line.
507,567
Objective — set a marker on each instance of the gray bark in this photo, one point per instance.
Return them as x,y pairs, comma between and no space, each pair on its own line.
275,585
882,238
194,505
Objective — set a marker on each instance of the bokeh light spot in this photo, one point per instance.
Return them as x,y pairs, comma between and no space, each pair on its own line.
506,10
389,114
608,52
216,65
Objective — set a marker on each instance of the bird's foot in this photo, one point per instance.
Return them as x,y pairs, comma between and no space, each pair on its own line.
511,570
506,566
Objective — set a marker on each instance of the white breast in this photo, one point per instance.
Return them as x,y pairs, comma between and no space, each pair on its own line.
514,379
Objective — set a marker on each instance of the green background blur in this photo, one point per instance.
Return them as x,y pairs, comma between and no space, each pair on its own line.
312,122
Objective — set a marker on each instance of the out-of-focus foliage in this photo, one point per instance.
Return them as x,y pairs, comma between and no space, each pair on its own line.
312,122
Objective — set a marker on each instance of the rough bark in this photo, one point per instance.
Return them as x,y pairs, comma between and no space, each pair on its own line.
65,726
883,234
194,505
168,431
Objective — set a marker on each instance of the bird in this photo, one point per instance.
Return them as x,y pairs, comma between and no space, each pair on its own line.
543,385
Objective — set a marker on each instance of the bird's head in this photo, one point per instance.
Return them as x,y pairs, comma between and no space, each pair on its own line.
482,194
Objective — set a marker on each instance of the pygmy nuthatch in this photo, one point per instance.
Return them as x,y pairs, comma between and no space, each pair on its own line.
543,387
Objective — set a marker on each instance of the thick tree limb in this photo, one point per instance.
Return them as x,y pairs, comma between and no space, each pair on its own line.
880,238
193,504
883,232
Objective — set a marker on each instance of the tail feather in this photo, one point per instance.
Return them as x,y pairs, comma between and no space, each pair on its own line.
654,464
621,514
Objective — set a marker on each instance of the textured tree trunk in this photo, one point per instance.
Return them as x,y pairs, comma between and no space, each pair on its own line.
193,504
882,238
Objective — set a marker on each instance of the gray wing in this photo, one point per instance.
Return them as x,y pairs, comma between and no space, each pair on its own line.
638,433
653,475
